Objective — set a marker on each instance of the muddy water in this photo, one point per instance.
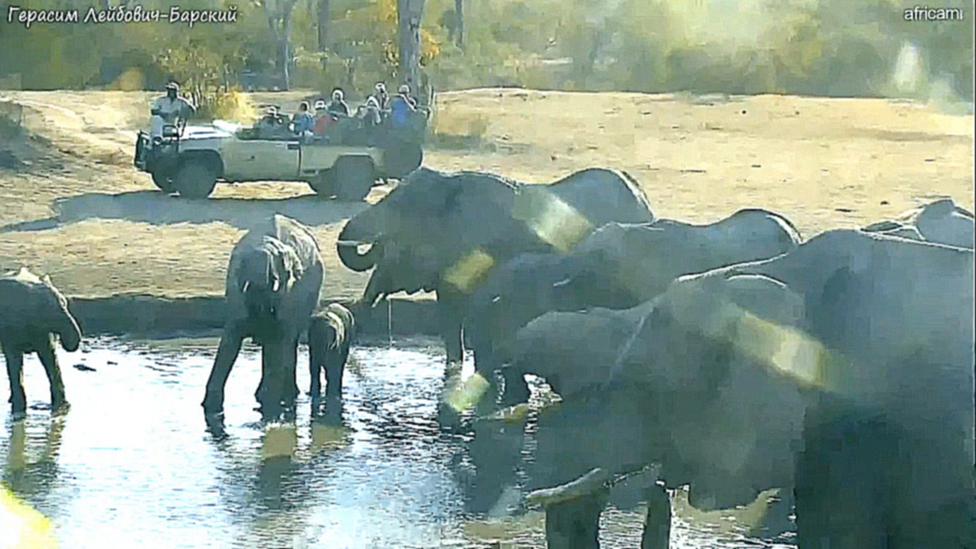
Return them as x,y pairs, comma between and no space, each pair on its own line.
134,463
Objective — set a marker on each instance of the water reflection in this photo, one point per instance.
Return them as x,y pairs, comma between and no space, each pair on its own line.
31,470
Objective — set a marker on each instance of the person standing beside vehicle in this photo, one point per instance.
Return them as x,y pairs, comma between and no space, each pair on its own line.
169,109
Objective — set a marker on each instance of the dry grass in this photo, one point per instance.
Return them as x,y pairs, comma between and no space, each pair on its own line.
823,163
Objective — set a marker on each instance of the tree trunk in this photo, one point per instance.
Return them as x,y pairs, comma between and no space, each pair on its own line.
459,22
323,14
409,15
286,46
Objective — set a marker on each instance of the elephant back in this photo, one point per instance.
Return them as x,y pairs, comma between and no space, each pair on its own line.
603,195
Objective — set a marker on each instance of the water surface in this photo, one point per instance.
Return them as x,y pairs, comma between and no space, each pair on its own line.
134,463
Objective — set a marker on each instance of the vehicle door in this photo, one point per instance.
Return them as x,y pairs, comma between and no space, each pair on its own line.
319,156
261,160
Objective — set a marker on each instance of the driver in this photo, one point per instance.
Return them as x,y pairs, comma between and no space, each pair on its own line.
168,109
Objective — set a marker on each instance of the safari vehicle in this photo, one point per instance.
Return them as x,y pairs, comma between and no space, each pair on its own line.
190,160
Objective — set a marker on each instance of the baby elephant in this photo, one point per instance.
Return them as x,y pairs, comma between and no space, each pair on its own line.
32,312
329,335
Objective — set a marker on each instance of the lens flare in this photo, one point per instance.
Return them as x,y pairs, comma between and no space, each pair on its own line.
22,526
552,219
470,270
468,393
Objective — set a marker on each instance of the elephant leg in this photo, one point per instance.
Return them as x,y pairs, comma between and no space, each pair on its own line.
15,372
450,316
315,367
273,360
335,366
657,524
575,524
49,358
516,388
227,352
841,484
290,373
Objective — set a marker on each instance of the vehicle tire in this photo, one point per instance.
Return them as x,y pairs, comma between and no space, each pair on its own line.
324,183
164,181
195,179
401,158
354,177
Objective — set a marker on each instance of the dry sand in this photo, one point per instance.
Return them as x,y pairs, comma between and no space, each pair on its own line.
79,211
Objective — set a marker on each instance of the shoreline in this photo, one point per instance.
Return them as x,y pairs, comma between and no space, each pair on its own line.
154,317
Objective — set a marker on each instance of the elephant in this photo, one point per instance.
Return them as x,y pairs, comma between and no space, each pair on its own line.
443,232
329,335
941,221
842,370
273,282
617,267
32,312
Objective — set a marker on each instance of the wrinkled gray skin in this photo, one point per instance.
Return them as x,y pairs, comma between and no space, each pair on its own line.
273,282
422,228
32,312
942,222
617,267
329,336
886,447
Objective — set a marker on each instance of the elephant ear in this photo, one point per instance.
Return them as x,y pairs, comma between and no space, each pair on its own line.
289,267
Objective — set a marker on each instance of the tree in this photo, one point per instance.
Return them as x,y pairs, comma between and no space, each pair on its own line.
279,14
459,23
323,26
409,15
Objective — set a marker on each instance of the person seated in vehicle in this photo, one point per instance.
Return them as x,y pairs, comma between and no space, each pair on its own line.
272,125
382,98
302,122
402,107
338,107
169,109
322,119
370,113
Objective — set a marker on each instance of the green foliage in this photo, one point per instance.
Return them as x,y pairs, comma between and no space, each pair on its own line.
818,47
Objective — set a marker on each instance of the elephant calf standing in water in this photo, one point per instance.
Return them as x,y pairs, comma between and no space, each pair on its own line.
32,310
273,284
329,335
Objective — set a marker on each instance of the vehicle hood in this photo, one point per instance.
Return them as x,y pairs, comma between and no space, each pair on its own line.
216,130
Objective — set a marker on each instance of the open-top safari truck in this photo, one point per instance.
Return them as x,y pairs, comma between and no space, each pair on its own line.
345,163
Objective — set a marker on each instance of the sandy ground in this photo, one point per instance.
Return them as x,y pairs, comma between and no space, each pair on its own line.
76,208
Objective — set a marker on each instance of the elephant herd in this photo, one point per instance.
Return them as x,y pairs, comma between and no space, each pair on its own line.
735,356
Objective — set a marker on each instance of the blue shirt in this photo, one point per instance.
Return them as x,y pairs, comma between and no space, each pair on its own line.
303,122
400,111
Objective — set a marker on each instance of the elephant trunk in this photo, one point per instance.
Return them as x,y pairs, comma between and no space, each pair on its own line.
352,259
359,231
70,333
